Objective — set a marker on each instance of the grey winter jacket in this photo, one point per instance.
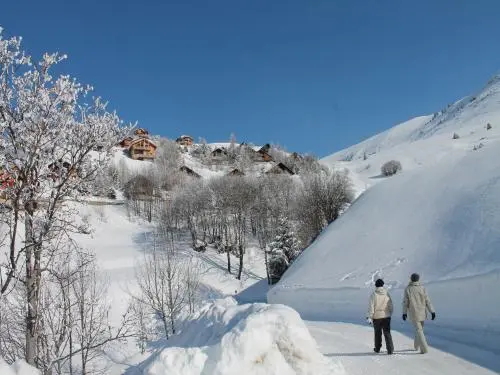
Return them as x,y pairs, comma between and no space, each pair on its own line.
380,304
416,302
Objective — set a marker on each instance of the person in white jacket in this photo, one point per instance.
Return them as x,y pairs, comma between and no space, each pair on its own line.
379,313
416,303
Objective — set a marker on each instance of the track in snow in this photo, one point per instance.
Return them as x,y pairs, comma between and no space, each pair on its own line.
352,345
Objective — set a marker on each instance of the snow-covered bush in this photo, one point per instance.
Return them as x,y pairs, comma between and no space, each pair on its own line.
253,339
391,168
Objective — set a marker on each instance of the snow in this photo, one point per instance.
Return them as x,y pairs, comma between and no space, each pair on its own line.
439,217
17,368
119,242
253,339
352,345
122,161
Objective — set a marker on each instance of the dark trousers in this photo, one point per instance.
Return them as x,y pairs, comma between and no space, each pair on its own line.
383,325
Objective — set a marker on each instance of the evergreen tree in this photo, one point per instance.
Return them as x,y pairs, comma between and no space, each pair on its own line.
283,250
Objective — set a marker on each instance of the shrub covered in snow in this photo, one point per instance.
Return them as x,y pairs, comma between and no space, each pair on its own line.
252,339
391,168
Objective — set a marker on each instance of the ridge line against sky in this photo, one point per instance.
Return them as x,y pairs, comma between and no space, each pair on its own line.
312,76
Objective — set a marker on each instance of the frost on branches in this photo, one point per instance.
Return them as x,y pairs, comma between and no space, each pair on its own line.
54,139
283,250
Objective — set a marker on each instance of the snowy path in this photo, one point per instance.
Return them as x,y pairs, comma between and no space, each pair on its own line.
352,345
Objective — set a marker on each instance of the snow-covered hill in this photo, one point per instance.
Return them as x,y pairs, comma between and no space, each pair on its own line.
440,217
426,140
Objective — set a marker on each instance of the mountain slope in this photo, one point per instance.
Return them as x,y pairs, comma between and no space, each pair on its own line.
426,140
439,217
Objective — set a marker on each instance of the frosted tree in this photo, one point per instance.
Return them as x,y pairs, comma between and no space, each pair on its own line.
321,200
53,141
283,250
164,287
232,151
204,150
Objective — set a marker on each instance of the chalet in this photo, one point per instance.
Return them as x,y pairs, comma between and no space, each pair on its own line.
263,153
280,168
185,140
265,148
236,172
142,149
264,156
256,155
188,171
125,142
142,133
219,153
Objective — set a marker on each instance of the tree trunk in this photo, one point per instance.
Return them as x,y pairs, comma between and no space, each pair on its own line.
84,363
165,324
267,267
240,269
192,229
32,286
228,253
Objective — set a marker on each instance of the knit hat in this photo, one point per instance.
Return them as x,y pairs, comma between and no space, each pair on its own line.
379,283
415,277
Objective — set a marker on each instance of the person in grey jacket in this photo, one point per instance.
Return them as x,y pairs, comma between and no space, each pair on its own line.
416,303
379,313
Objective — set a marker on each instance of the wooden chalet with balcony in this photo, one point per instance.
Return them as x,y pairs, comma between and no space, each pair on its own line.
185,140
142,149
139,147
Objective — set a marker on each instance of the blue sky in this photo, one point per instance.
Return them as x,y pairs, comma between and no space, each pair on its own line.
313,75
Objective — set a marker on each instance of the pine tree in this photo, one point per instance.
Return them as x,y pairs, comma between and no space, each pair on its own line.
283,250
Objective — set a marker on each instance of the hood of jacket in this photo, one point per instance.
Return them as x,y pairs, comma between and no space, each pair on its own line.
381,290
414,283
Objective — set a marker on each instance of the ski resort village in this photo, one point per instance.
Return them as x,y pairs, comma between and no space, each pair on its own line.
140,249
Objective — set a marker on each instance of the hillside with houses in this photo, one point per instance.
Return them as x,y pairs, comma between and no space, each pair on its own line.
210,159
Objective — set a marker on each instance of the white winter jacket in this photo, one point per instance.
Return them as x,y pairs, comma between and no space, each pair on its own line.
380,304
416,302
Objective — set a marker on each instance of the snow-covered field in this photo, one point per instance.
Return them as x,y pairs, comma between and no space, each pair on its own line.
440,217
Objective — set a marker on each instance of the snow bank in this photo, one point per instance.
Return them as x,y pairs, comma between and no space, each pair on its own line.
17,368
253,339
